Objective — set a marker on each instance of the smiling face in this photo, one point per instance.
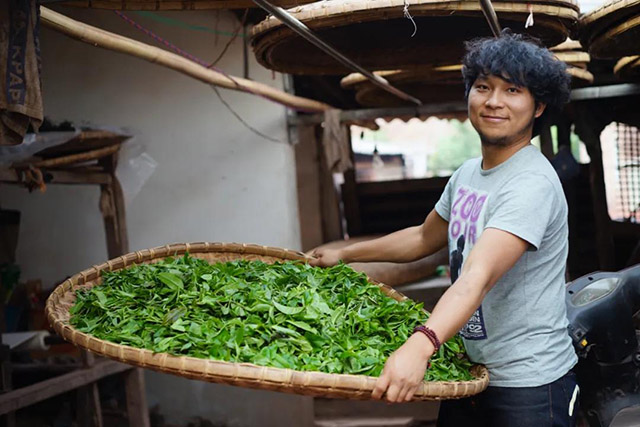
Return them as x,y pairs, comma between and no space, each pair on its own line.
502,112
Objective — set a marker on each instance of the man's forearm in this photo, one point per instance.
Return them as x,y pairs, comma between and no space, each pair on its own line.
405,245
456,306
402,246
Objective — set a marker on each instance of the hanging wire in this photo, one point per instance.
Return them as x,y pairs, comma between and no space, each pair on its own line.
407,15
247,125
204,64
231,40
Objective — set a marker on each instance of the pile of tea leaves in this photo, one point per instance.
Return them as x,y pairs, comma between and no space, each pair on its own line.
285,315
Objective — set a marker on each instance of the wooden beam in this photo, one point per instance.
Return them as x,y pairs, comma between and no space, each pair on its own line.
590,120
546,141
113,210
10,176
26,396
351,116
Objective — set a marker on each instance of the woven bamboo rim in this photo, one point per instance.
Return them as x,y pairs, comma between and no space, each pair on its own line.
597,21
239,374
580,74
620,40
567,45
176,4
355,28
573,57
628,67
608,8
430,73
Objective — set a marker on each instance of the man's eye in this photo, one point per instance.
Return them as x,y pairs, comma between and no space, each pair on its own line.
482,87
513,90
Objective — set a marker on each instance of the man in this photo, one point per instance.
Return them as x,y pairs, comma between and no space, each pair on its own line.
504,218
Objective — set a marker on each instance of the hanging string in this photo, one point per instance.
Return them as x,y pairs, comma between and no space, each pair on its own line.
529,22
407,15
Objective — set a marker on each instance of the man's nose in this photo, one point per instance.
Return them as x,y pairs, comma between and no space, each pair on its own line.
494,100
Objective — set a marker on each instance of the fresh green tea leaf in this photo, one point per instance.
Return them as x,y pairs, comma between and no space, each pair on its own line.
287,315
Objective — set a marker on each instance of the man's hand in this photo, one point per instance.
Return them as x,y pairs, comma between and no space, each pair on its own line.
404,370
326,257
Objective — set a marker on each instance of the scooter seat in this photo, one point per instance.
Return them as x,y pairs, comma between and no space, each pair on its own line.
628,417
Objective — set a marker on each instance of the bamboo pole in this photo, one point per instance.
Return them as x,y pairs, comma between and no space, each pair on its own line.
111,41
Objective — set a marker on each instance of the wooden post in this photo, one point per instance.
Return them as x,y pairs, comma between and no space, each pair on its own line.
308,186
351,205
113,210
590,121
88,397
136,398
546,140
329,201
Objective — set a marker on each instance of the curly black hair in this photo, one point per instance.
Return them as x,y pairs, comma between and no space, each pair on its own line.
521,60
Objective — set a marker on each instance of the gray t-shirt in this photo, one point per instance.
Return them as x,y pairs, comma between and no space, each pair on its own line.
520,330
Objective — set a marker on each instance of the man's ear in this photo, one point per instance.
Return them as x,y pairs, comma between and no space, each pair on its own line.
540,107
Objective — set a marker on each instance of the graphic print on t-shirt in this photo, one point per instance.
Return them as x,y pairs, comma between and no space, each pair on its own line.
466,222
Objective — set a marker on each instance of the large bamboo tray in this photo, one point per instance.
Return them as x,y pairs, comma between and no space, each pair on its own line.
239,374
431,85
442,84
175,4
619,40
628,68
376,35
611,30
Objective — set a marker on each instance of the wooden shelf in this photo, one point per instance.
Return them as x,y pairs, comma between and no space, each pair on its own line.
26,396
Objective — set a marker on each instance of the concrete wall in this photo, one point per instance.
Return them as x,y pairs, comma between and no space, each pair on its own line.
215,179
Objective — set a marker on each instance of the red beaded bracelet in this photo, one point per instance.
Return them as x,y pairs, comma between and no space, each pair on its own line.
429,334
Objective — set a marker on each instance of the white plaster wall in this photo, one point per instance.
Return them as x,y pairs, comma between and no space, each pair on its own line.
215,179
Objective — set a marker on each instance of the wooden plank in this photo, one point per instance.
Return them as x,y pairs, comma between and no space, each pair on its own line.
590,121
350,116
136,399
329,202
546,141
625,229
89,412
351,203
308,186
26,396
402,186
113,210
336,408
10,176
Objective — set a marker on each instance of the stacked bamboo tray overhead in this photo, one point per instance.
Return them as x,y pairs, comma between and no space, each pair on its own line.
176,4
443,84
376,35
573,54
431,85
613,30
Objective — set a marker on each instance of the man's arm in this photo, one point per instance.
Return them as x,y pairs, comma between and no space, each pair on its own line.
405,245
493,255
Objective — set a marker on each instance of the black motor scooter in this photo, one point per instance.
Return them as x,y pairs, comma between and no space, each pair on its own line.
601,307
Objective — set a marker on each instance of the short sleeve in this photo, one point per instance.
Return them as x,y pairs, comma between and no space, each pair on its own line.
443,206
525,207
